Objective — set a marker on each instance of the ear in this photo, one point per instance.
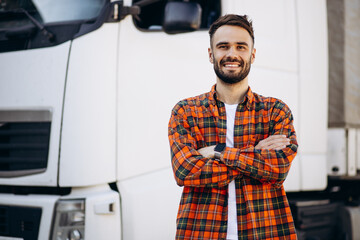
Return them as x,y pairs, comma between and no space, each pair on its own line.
253,53
210,55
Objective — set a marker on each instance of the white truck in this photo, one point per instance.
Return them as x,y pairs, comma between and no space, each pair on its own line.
86,91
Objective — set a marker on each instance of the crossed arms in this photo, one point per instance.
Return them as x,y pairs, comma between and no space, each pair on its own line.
273,142
268,161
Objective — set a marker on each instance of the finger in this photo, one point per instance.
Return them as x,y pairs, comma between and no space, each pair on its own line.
274,138
260,145
263,144
280,148
268,141
272,141
272,145
276,147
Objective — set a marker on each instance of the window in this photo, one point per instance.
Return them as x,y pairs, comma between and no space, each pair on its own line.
46,11
30,24
151,15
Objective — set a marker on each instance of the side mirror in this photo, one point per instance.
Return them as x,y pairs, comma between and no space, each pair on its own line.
180,17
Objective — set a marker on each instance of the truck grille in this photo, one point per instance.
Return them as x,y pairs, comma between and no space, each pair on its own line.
24,147
19,222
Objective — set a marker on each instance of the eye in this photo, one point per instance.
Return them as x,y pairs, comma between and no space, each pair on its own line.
222,46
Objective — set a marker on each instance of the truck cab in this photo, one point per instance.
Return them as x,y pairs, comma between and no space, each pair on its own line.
86,92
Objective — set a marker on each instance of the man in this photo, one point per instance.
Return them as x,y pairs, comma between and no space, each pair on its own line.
232,149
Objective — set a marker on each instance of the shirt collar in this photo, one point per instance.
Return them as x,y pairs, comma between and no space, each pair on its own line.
249,97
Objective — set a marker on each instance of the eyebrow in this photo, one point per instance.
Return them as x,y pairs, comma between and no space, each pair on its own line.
238,43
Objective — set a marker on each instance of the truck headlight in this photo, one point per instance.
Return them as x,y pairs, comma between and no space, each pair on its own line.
69,220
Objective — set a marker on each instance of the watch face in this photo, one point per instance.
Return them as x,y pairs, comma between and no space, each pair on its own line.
220,147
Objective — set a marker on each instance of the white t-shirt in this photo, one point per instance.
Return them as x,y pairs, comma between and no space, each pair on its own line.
232,230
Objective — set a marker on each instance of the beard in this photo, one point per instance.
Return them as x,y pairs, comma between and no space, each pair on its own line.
232,78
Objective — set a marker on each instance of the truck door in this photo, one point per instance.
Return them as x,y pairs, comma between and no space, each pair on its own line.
155,71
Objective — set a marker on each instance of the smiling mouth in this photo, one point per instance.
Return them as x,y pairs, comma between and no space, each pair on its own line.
231,65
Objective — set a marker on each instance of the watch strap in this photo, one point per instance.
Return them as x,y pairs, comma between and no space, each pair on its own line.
217,155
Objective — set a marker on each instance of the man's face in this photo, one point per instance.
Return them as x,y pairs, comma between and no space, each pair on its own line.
232,53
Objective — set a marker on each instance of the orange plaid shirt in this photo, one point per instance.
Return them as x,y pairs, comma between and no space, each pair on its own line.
263,211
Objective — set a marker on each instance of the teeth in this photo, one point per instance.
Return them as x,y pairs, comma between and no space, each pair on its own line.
231,65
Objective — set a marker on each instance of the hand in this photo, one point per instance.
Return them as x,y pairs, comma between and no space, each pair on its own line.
208,152
274,142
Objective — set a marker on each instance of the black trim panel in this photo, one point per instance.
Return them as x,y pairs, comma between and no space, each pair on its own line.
30,37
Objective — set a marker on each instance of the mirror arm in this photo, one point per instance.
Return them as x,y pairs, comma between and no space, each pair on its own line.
144,3
133,10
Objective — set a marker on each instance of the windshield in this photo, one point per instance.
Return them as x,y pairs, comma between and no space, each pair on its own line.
47,11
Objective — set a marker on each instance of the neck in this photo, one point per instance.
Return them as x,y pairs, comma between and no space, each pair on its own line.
231,93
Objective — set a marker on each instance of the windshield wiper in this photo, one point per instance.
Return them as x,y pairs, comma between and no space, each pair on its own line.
38,24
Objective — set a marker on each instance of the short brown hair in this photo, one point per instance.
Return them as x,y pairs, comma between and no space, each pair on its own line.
233,20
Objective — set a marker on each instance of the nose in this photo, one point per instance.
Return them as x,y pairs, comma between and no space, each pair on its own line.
232,53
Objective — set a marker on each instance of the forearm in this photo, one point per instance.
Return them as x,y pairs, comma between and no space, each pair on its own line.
190,166
270,159
192,169
266,165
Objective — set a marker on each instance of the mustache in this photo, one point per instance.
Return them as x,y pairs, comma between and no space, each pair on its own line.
229,59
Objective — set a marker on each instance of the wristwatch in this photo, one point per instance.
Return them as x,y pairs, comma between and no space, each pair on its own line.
219,149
